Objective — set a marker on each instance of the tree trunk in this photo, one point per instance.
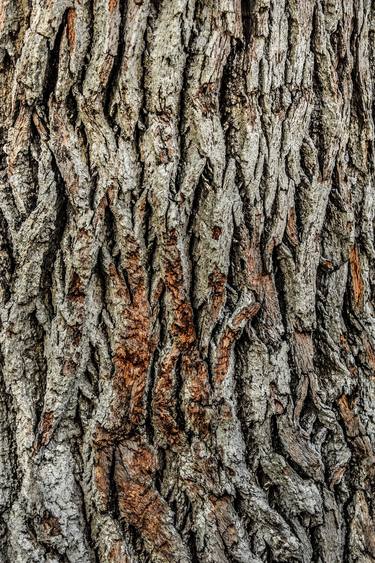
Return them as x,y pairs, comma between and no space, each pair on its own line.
186,281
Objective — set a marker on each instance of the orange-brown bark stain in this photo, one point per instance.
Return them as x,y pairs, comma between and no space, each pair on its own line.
45,430
181,332
223,355
76,292
223,511
356,275
116,553
217,281
197,392
165,399
133,354
182,328
216,232
71,27
102,468
350,419
139,503
131,363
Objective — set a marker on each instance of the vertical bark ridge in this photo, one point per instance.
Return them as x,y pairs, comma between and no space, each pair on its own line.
186,263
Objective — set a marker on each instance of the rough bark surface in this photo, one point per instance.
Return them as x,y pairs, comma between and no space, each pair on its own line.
186,281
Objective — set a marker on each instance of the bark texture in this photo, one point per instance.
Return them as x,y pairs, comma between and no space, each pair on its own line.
186,281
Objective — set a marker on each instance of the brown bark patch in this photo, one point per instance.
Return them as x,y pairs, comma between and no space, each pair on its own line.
71,27
103,460
69,368
130,380
116,553
223,512
197,393
327,265
50,525
350,419
278,406
182,329
216,232
76,292
140,504
165,400
134,349
206,98
356,275
217,281
45,429
118,284
143,508
223,355
112,5
344,343
363,524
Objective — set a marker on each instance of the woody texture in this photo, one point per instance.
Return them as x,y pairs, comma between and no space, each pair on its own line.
187,268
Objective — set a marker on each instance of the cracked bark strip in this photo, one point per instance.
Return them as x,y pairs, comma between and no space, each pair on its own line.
187,358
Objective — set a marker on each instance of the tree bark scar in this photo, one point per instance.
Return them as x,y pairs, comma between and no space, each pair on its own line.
183,326
291,227
217,281
356,275
350,419
140,503
50,525
45,430
223,357
164,400
76,292
197,393
112,5
133,352
216,232
71,27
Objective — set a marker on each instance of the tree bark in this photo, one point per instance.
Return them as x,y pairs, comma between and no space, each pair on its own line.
186,281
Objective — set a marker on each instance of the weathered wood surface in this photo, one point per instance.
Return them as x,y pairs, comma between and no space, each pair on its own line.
186,281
